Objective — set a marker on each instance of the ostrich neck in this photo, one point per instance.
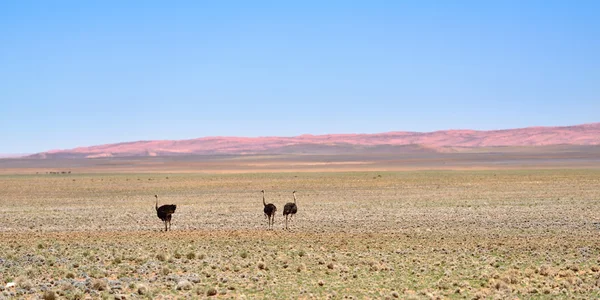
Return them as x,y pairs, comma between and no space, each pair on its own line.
265,203
294,198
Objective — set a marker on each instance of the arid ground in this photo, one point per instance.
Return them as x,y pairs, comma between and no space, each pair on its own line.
490,232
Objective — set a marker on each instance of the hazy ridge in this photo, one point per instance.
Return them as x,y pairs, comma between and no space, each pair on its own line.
389,142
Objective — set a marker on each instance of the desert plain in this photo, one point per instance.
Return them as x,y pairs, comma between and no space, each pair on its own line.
455,226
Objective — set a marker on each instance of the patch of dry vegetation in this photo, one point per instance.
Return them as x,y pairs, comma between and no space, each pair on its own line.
506,234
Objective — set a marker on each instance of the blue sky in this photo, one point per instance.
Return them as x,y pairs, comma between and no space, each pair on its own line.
81,73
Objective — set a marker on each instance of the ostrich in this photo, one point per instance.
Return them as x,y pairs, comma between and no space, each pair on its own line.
164,213
269,210
290,209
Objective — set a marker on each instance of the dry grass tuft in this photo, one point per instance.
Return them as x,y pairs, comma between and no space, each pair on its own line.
142,289
49,295
24,283
99,285
161,257
211,292
184,285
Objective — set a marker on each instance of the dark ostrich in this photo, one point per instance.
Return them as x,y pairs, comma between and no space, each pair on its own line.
165,212
269,210
290,209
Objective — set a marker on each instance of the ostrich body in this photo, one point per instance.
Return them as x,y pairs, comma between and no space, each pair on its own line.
290,209
269,211
165,212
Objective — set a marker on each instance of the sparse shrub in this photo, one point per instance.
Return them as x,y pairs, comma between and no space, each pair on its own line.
301,253
177,255
116,261
165,271
244,254
70,275
49,295
24,283
544,270
184,285
161,257
191,255
261,265
65,286
99,284
75,295
211,292
142,289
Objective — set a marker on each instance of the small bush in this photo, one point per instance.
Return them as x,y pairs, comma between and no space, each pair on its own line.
49,295
99,284
142,289
211,292
165,271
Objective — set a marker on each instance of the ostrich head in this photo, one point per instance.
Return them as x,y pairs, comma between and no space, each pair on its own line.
262,191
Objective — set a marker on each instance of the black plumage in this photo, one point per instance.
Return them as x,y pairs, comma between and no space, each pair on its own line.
165,212
269,211
290,209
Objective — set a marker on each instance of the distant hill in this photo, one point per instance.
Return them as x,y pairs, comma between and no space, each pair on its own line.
389,142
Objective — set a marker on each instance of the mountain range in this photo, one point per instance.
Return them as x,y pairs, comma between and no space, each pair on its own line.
397,141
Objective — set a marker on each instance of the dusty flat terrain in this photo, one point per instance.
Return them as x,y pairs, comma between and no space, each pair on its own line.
416,234
389,159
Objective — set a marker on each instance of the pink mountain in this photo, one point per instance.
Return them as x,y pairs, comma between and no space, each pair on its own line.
445,140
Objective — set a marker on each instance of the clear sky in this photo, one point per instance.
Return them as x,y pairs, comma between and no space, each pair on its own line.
82,73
